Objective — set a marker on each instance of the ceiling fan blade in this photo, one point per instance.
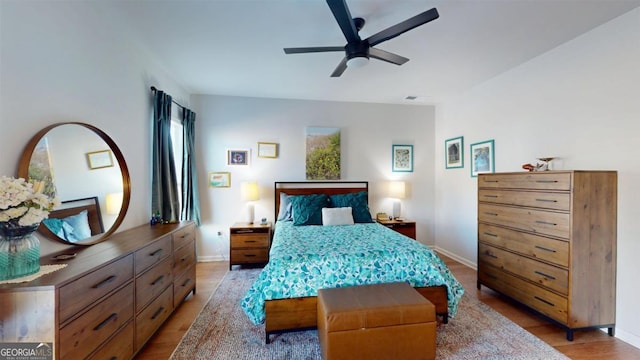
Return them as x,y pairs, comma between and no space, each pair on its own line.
345,21
340,68
400,28
302,50
387,56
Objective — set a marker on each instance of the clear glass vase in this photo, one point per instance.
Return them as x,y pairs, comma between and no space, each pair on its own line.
19,251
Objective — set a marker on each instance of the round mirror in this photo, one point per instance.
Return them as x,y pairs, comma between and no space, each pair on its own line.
85,169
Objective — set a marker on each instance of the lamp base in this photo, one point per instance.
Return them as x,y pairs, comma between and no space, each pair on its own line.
396,209
250,213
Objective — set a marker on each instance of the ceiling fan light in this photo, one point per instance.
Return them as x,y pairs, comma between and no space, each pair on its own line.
358,61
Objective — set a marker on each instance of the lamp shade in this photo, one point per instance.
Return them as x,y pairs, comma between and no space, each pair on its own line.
114,203
397,189
250,191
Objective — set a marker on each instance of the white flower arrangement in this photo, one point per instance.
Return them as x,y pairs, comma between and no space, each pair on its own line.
21,205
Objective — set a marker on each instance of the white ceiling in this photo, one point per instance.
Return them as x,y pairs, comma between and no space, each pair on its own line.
234,47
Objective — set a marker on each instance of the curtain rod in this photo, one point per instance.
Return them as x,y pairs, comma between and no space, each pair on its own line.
153,88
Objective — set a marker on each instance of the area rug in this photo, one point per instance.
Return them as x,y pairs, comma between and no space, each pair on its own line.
223,331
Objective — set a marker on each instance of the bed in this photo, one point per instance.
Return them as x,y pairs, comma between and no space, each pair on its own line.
75,220
305,258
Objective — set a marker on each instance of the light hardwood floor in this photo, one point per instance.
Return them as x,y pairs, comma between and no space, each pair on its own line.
588,344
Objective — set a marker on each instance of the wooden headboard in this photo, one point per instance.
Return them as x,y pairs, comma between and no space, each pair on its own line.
316,187
72,207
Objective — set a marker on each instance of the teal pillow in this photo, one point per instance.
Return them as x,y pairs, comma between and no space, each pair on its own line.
284,213
80,225
55,225
307,209
358,202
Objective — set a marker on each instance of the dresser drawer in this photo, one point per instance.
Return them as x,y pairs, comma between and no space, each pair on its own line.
184,284
249,256
86,290
250,240
153,316
82,336
544,200
183,236
183,258
537,221
540,299
120,347
152,283
534,181
153,254
539,247
540,273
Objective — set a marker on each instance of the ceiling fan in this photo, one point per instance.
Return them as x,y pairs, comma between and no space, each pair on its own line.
358,51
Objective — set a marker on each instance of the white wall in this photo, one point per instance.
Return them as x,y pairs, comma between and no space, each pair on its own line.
61,61
367,133
579,102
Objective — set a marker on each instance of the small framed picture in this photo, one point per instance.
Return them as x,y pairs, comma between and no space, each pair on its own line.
267,150
219,179
482,158
402,158
237,157
454,153
100,159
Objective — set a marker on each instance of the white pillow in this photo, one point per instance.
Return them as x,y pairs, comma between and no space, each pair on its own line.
337,216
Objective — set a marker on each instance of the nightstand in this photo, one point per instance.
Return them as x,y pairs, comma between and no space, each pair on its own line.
407,228
249,243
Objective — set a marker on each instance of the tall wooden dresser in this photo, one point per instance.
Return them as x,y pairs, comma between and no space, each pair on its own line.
548,240
109,299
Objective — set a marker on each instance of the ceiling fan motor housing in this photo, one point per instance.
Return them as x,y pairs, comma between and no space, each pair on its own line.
359,49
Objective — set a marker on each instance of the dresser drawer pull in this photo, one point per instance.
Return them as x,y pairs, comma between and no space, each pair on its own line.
249,241
491,181
157,252
491,196
490,234
159,279
490,255
544,248
492,214
545,223
547,181
185,258
544,301
244,231
104,282
112,317
185,282
491,276
114,358
545,275
250,255
547,200
157,313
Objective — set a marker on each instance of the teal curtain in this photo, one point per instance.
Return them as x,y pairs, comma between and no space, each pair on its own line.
190,197
164,192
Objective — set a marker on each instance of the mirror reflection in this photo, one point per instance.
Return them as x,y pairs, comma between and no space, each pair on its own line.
74,162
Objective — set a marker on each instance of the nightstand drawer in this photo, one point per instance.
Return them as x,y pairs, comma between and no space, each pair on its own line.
250,240
249,256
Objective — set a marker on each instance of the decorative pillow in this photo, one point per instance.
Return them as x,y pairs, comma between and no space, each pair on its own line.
55,225
284,213
358,202
307,209
80,225
337,216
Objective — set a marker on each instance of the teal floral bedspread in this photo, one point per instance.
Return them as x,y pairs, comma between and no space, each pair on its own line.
304,259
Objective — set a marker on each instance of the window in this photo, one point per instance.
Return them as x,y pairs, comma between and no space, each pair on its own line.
177,143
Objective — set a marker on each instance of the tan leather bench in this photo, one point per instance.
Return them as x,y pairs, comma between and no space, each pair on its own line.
382,321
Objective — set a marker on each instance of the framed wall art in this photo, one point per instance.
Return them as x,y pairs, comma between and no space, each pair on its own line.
402,158
322,153
482,158
267,150
219,179
454,153
99,159
237,157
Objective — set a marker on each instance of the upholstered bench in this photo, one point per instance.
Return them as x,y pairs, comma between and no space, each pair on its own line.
382,321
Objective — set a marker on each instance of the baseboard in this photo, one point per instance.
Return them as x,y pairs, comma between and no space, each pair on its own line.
629,338
457,258
211,258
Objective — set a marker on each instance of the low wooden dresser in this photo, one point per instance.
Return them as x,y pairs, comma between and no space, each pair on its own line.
548,240
249,243
110,298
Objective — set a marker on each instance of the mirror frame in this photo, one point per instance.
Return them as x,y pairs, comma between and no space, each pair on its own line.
23,172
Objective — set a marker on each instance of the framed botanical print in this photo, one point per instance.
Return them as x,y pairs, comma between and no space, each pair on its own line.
237,157
402,158
99,159
482,158
454,153
267,150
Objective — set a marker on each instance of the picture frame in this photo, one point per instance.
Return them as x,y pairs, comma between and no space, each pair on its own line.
219,179
99,159
267,150
402,158
454,153
482,156
237,157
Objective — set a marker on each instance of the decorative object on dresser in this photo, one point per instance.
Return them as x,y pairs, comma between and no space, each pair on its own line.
404,227
397,191
548,240
110,298
249,243
250,192
482,158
